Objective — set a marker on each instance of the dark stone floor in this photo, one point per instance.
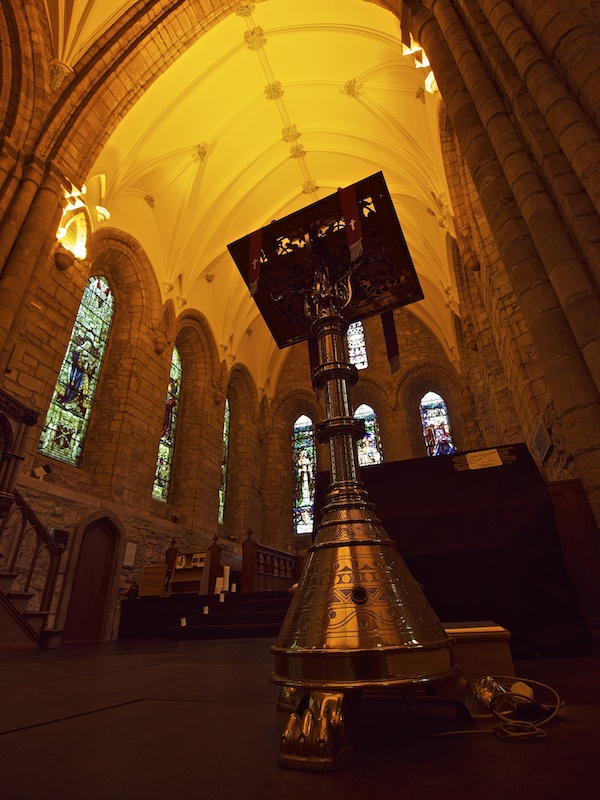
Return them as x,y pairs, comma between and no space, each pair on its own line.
198,720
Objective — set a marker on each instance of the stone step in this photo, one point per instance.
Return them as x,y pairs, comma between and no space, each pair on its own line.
20,600
36,619
6,581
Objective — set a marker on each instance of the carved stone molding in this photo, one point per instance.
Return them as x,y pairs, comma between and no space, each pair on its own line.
255,39
16,410
245,10
290,133
274,91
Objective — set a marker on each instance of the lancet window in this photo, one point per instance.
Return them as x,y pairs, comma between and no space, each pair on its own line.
369,447
436,425
303,473
356,345
71,405
224,462
166,446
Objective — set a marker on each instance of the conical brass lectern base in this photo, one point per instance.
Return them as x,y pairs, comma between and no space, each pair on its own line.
358,618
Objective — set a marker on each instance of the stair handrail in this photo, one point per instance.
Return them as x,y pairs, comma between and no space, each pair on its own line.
44,541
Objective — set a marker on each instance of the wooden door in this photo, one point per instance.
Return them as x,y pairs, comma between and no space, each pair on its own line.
89,598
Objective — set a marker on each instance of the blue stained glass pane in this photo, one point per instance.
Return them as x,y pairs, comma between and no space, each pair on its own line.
303,473
224,461
369,447
356,345
436,425
166,446
68,416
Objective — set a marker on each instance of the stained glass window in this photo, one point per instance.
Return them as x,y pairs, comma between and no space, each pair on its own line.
303,473
369,447
436,425
356,345
166,446
68,416
224,460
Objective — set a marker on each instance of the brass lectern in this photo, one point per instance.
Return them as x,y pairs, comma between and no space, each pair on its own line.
358,619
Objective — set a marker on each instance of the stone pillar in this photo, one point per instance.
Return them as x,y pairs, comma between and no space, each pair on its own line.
574,290
570,42
11,172
564,115
568,378
23,196
43,215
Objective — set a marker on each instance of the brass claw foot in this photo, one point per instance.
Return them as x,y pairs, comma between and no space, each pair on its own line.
318,738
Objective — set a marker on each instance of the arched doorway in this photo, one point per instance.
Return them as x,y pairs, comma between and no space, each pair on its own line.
86,616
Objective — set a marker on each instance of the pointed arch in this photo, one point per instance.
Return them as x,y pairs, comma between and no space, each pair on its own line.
115,535
418,382
278,502
199,424
243,456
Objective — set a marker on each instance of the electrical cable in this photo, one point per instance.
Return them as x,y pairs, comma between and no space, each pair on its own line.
517,701
527,729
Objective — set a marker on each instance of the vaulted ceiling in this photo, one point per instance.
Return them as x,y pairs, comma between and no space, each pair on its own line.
277,106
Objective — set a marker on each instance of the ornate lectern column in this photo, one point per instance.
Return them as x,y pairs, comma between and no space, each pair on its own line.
358,618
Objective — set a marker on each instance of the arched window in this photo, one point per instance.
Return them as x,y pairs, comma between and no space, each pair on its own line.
436,425
303,472
166,446
369,447
68,416
224,461
356,345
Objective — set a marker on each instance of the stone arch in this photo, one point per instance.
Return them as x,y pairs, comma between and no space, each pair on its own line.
74,591
129,391
419,380
24,66
374,395
278,502
197,427
246,466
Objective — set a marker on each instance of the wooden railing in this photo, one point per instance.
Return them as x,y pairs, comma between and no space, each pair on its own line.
267,569
30,552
